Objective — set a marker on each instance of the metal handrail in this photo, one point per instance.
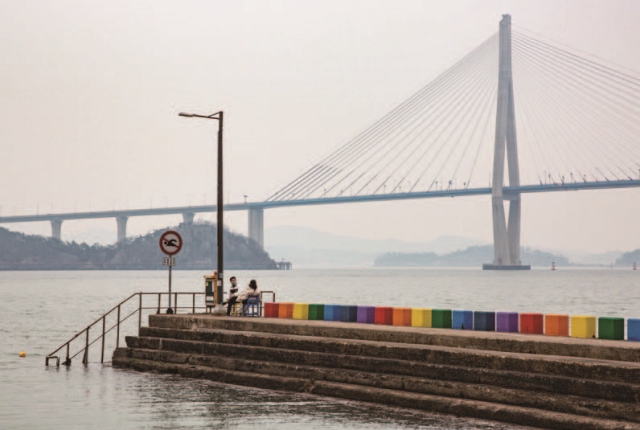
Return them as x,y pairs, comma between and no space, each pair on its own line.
102,319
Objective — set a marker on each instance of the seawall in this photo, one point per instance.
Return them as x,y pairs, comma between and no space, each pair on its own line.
534,380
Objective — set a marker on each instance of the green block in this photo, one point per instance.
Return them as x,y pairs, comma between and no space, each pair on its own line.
441,318
611,328
316,312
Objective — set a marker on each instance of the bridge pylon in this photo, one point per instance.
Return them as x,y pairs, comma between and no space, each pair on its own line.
506,237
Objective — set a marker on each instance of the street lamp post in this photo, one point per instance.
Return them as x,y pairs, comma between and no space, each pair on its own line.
219,208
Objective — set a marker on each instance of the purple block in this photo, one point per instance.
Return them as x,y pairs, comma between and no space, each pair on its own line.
366,314
507,322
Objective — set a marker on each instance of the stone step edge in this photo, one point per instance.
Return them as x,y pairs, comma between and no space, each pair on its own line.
507,342
459,407
569,366
507,378
562,403
484,352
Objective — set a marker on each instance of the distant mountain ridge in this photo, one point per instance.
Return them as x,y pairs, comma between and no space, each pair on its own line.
308,247
629,258
473,256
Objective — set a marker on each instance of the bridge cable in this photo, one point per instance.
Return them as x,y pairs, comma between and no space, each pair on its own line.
398,111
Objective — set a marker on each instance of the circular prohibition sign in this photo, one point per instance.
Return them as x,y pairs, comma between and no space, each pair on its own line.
170,242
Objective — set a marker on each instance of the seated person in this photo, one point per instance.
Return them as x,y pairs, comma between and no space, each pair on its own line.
233,289
251,290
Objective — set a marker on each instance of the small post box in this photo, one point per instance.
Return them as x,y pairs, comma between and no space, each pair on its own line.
211,291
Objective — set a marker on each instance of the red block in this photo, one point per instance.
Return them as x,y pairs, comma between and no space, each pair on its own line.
383,315
271,310
531,323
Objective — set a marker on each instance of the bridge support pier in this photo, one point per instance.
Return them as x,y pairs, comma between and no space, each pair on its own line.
256,225
506,238
56,229
187,218
122,228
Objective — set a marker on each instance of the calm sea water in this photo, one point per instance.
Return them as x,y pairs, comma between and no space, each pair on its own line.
41,310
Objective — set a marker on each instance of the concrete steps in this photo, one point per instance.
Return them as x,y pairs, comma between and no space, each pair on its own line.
551,391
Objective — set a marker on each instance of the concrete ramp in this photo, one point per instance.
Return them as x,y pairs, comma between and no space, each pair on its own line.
539,381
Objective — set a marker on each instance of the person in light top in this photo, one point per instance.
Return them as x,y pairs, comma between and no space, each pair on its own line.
250,290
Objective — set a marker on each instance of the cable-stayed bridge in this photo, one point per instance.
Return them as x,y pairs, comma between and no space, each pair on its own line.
555,118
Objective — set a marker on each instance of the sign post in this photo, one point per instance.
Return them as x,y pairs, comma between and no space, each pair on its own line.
170,244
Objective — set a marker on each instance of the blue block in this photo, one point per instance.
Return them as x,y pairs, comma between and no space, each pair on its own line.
348,313
332,312
462,320
484,321
633,329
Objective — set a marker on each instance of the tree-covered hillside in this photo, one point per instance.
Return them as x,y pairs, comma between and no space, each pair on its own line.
19,251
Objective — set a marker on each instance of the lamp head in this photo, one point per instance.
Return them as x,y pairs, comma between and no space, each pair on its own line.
188,115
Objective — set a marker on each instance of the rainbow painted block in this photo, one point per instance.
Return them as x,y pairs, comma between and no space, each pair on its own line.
507,322
300,311
332,312
583,326
441,318
366,314
611,328
633,329
401,316
285,310
531,323
484,321
421,317
462,320
348,313
556,325
316,312
271,310
383,315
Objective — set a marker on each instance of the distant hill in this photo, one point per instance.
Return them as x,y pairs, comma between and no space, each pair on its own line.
628,258
473,256
19,252
308,247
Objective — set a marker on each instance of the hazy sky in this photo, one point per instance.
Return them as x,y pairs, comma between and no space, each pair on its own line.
90,93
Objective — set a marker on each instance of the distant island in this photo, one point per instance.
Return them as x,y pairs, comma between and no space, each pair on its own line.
473,256
629,258
19,251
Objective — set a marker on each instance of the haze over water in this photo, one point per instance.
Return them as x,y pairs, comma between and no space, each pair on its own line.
41,310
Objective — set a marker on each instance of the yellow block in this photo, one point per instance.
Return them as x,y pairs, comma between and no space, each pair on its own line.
583,326
421,317
300,311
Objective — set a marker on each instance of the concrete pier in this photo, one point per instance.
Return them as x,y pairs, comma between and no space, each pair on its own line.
540,381
122,228
256,225
187,218
56,229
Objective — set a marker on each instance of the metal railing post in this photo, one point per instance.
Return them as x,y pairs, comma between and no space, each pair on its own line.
67,362
159,300
193,310
85,359
139,313
118,329
175,301
104,317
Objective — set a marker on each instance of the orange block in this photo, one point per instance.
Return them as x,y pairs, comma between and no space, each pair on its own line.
402,316
556,325
285,310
